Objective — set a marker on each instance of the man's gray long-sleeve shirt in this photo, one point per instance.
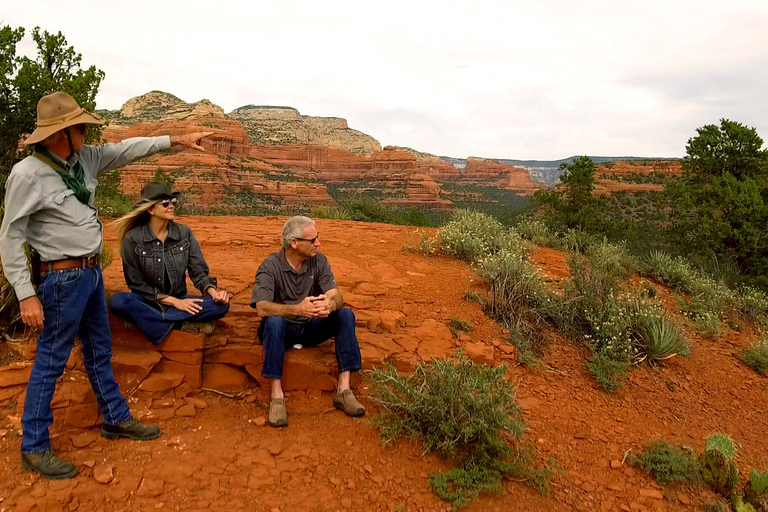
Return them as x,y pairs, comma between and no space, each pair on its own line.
41,211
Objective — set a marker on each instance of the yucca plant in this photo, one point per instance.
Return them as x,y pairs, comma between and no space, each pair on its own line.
659,338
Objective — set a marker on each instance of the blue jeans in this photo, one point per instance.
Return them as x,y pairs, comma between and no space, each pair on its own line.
74,305
157,322
277,333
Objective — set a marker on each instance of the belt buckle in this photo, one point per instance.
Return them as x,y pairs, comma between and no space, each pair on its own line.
91,261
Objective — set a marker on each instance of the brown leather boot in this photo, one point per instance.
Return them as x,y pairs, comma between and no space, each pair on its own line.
48,464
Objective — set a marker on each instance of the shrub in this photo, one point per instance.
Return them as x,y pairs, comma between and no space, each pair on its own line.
756,357
331,212
707,295
516,290
475,297
472,236
667,464
753,303
465,412
536,231
459,326
607,371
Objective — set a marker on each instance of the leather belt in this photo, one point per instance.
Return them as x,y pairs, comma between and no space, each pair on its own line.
85,262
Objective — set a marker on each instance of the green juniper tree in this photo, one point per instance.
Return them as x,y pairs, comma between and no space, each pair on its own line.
720,207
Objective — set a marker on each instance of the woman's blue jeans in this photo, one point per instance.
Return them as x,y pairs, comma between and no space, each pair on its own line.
277,333
156,322
73,305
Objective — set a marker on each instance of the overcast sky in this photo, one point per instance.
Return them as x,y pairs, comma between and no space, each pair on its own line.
524,79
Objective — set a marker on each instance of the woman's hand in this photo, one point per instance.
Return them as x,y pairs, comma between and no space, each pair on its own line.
191,306
221,296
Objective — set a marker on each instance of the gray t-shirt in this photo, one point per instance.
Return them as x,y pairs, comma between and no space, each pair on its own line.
278,282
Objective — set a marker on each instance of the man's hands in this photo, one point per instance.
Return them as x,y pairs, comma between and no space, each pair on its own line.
315,307
190,140
31,312
222,296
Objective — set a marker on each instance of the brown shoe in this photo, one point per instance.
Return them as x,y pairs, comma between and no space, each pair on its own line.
347,402
278,414
48,464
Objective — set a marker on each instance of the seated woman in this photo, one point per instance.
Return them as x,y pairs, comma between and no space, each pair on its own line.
157,252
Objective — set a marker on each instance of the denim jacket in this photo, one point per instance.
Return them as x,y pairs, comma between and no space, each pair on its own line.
145,257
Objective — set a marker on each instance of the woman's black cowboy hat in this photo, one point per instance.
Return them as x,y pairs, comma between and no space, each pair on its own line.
156,190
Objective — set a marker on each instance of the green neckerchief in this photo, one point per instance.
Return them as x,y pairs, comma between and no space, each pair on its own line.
75,181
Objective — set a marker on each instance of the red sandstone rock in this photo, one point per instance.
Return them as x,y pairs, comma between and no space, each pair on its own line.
224,377
480,353
193,374
181,341
161,382
238,355
15,374
436,340
190,358
131,367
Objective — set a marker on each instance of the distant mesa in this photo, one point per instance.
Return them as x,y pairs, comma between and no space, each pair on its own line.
264,124
274,157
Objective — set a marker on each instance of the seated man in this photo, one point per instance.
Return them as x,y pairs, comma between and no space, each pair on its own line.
297,297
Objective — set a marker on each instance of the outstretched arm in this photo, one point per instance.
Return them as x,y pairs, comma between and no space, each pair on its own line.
190,140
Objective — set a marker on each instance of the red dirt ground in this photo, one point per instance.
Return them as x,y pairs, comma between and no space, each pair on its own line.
223,456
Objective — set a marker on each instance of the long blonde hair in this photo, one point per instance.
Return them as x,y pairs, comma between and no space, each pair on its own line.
137,217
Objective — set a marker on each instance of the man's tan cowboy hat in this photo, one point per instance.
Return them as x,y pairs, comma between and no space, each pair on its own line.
56,112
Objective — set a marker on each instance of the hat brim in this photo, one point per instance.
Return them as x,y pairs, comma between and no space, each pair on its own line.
44,132
159,197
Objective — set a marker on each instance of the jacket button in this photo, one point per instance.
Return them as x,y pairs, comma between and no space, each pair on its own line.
158,259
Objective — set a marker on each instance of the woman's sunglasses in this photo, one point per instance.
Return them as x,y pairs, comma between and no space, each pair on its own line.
168,202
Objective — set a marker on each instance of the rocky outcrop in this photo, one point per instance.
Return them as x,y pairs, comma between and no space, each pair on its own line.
283,126
666,167
421,190
282,158
160,106
493,172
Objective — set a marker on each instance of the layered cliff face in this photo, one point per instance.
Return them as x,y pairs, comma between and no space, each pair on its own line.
279,157
510,177
285,126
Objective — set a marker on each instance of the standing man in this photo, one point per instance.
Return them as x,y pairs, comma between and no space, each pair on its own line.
49,205
297,297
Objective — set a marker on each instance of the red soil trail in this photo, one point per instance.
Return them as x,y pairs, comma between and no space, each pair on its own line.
216,452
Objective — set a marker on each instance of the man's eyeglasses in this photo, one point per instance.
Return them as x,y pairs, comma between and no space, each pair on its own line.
310,240
168,202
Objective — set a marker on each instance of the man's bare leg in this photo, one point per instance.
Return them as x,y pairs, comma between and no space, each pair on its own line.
343,382
277,387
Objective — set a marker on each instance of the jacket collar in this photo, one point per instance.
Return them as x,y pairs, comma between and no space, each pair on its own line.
173,233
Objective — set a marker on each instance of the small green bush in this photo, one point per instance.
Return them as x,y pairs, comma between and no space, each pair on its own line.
459,326
707,295
753,303
607,371
472,236
331,212
536,231
475,297
756,357
465,412
667,464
